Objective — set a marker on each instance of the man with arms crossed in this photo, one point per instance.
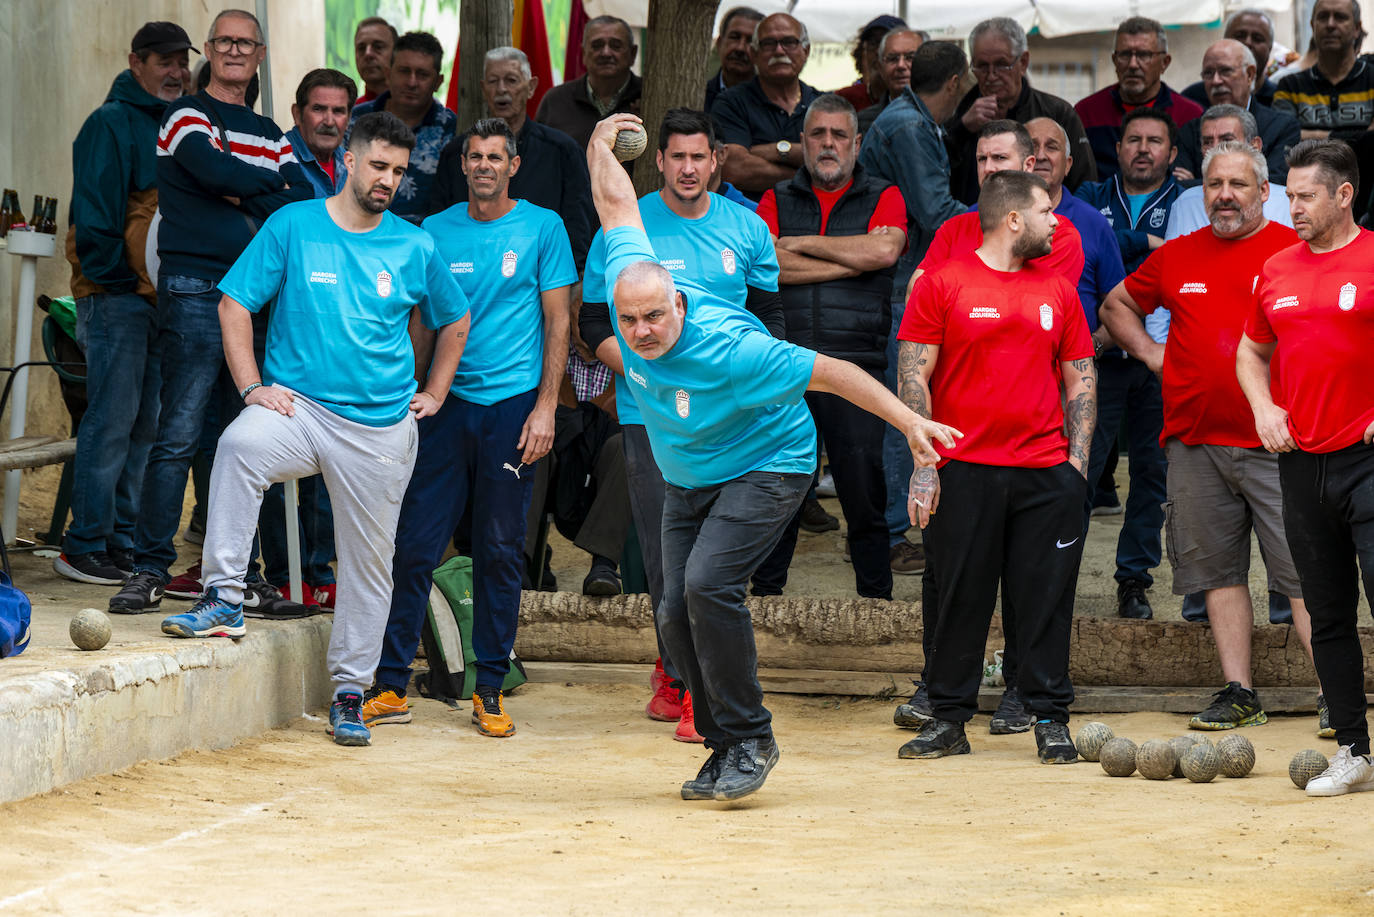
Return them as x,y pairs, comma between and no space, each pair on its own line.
345,279
513,261
1315,302
1011,491
722,404
1221,483
721,247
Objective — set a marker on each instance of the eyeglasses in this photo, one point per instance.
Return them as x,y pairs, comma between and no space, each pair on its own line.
983,69
1224,72
1124,57
772,44
241,45
890,59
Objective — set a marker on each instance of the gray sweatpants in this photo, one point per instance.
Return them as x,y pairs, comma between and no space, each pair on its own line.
366,470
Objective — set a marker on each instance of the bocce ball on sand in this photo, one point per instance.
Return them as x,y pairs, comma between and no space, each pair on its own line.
629,144
1180,744
90,629
1118,757
1305,765
1237,756
1156,759
1091,738
1201,763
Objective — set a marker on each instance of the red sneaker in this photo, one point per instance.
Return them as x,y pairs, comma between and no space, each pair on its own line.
285,590
324,595
666,704
657,676
687,726
187,585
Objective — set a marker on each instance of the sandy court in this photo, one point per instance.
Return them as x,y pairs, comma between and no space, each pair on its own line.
579,814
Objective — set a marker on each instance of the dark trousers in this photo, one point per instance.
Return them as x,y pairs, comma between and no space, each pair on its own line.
1328,517
930,604
462,457
646,506
1126,389
855,439
1022,526
714,538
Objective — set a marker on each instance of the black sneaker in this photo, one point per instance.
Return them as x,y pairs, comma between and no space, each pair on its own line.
1131,601
703,785
122,559
906,559
814,518
938,738
1233,706
263,600
95,567
1052,743
140,595
1011,716
1324,730
916,712
745,767
602,579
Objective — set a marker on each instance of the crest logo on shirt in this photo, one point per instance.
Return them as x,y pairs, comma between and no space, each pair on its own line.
684,403
508,264
1046,316
727,260
1347,299
383,283
1157,217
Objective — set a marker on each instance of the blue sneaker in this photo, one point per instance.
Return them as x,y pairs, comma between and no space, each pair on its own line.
346,720
207,618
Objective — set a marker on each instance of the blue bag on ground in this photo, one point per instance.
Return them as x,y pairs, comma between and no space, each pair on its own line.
15,616
447,637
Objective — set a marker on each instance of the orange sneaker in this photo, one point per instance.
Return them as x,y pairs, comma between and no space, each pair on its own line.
687,726
381,706
489,714
666,704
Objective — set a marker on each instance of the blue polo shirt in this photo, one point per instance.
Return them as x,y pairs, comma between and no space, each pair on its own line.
341,304
503,266
1102,266
726,251
727,399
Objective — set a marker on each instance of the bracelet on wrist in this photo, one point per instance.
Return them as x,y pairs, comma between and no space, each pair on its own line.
244,394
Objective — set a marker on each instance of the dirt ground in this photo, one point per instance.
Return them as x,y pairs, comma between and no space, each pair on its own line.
579,814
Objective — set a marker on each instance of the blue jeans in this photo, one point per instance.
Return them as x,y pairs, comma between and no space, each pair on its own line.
1127,389
189,353
714,538
463,455
117,331
897,467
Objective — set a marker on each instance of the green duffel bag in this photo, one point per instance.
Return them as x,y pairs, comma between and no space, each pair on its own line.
447,637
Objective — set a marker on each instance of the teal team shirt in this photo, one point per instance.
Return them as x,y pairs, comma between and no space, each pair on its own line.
727,398
503,266
726,251
341,304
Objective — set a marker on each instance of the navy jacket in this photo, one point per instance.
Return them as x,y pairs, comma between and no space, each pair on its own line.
1110,200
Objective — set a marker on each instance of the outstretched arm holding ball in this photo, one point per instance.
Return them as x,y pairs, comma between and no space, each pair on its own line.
612,191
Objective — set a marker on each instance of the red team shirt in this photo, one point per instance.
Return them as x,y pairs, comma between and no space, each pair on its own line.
1208,285
1002,338
960,235
891,209
1320,310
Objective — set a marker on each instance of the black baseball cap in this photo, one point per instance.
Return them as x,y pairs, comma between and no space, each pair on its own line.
161,38
880,26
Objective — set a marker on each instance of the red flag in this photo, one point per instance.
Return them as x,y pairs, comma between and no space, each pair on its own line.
531,36
577,24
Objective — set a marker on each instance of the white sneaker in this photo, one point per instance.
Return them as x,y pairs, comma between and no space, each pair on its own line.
1347,773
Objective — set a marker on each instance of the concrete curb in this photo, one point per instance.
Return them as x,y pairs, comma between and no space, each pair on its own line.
157,700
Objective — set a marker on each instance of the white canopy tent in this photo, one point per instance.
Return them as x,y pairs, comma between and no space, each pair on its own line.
840,20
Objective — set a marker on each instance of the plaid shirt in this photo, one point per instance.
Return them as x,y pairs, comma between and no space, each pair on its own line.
588,379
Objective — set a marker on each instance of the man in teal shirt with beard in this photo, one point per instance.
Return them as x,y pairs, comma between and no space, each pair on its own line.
722,404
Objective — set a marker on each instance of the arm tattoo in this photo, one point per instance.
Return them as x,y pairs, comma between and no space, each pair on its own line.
1081,412
911,387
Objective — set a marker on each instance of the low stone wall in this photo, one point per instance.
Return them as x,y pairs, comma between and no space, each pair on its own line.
868,635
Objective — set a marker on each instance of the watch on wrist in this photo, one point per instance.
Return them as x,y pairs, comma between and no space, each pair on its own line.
784,147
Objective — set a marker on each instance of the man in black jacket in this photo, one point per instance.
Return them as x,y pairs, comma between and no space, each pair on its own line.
839,233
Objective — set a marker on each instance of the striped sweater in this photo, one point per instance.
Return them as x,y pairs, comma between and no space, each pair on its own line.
202,231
